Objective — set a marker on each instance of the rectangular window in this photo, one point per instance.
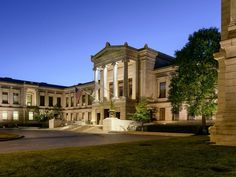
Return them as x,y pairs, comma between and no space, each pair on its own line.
29,100
15,115
90,100
15,98
72,101
120,87
130,88
50,103
83,99
59,101
42,101
162,90
4,97
67,101
31,116
4,115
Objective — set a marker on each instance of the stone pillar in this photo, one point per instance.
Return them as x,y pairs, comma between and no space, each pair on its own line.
105,89
96,84
115,83
125,78
101,84
232,13
224,130
0,95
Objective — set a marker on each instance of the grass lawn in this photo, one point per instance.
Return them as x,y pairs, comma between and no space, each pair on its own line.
7,136
180,157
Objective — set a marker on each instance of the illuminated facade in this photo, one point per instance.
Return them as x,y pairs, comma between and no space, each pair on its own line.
122,74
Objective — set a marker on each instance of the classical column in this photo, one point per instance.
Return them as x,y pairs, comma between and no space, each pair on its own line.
115,73
96,84
125,78
105,82
101,83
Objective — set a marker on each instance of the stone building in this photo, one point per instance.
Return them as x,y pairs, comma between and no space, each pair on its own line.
224,130
122,74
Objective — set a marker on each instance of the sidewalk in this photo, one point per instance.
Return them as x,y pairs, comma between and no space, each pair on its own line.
157,133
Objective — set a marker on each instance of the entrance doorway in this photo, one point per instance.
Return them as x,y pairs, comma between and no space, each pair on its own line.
98,118
106,113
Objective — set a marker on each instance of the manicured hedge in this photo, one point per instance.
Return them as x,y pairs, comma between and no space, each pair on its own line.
175,128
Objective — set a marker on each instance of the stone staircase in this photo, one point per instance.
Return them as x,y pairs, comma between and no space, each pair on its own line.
97,129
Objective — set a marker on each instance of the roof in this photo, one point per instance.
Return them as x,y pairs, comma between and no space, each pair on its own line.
40,84
163,60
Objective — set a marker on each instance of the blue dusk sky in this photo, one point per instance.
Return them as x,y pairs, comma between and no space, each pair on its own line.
52,40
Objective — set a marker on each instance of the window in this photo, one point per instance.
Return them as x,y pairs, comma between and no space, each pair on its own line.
67,101
120,87
4,97
29,100
162,114
111,90
72,101
31,116
50,103
59,101
162,90
130,88
90,100
15,115
42,101
83,99
15,98
4,115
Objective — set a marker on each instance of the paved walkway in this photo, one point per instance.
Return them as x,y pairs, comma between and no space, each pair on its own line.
49,139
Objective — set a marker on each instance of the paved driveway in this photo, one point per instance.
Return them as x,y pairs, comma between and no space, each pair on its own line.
49,139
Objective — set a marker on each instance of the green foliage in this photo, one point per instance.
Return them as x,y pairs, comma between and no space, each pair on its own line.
45,114
194,83
142,113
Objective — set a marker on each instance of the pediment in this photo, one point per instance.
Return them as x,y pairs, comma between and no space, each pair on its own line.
109,54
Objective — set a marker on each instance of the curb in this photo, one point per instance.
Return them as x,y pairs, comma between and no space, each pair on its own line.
10,139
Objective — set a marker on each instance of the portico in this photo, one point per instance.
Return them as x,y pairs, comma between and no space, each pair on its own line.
115,80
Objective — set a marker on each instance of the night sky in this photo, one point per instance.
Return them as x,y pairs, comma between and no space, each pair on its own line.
52,40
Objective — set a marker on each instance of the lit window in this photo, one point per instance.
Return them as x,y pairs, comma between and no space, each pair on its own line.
162,90
5,97
31,116
4,115
29,100
15,98
15,115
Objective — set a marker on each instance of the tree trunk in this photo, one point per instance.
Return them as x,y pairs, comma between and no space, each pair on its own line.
204,130
142,126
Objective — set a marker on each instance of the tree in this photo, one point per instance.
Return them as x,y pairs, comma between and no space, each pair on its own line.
142,113
194,83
